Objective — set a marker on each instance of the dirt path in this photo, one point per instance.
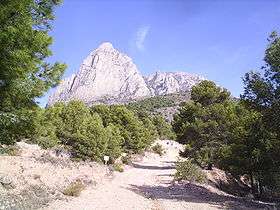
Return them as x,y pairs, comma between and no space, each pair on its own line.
148,185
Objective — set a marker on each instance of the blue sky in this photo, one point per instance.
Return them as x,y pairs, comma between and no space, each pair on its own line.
220,40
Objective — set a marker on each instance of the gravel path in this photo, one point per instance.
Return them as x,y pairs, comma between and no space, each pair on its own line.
148,185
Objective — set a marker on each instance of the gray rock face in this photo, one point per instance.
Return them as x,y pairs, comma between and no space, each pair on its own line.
108,76
162,83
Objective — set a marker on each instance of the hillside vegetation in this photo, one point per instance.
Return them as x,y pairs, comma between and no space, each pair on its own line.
92,132
152,104
242,137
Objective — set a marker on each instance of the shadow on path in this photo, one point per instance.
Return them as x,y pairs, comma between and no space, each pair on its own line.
196,194
151,167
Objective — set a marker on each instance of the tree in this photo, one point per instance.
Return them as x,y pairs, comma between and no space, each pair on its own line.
262,94
207,93
90,140
163,128
24,72
204,125
136,136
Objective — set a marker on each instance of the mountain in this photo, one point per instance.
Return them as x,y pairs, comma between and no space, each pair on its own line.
162,83
109,76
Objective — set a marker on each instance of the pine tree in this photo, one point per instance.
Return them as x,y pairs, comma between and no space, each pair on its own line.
25,74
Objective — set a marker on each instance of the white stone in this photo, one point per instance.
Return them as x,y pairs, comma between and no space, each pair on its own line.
162,83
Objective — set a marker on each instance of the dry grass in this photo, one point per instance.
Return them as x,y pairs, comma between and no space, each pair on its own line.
74,189
118,167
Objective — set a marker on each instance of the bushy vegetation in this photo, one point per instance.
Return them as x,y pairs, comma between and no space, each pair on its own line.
93,132
24,72
118,167
163,128
74,189
151,104
157,148
10,150
186,170
241,137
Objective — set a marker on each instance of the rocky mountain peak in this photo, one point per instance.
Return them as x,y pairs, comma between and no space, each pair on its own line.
109,76
106,46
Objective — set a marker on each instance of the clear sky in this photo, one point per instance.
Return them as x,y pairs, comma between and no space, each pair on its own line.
220,40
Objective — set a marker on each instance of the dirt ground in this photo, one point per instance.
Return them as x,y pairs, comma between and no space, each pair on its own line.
148,184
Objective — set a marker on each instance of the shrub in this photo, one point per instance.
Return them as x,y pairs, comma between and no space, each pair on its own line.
158,149
74,189
151,104
126,159
136,136
10,150
90,140
186,170
164,129
114,142
118,167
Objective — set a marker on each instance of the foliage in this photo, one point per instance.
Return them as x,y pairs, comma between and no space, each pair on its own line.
150,104
118,167
157,148
92,133
186,170
262,94
24,72
207,93
241,137
45,130
127,160
136,136
163,128
10,150
205,124
74,189
85,133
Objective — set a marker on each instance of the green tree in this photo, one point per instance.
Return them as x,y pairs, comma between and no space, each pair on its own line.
136,136
207,93
163,128
24,72
74,117
262,94
115,141
204,124
90,140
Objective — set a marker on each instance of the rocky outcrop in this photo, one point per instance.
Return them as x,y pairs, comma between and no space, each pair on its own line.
109,76
162,83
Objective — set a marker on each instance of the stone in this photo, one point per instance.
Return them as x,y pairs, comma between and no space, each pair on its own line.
162,83
109,76
5,180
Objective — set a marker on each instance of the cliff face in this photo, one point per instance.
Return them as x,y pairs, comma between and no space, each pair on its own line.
162,83
108,76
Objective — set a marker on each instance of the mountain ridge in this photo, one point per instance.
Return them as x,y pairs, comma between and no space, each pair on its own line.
109,76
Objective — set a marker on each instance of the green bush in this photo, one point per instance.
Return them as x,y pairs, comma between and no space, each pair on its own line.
150,104
10,150
186,170
118,167
163,128
114,141
158,149
93,132
136,137
74,189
